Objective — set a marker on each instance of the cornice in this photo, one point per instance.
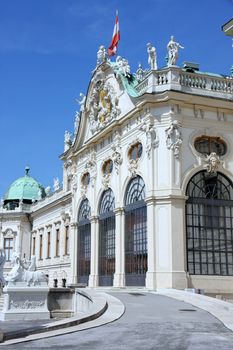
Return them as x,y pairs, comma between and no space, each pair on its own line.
61,201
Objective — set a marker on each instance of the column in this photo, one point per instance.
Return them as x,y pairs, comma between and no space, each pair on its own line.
151,244
74,251
94,276
119,276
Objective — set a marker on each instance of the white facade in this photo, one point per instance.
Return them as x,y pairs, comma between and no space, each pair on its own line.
165,113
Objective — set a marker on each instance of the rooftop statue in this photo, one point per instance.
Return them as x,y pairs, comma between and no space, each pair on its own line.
123,66
152,58
81,102
173,50
76,122
48,190
67,140
140,73
56,184
101,55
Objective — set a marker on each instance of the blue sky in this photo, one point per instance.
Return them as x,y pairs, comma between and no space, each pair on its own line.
48,50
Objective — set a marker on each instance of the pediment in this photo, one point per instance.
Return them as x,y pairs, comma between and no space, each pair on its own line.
107,100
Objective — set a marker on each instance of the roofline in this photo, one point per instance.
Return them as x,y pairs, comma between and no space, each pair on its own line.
227,28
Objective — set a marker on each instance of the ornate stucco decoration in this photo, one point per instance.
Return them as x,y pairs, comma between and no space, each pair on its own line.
152,140
84,184
9,233
83,191
133,164
91,167
116,149
71,171
212,163
107,168
174,138
106,181
103,105
65,217
133,167
68,167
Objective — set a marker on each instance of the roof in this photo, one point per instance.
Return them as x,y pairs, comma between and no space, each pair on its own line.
25,188
227,28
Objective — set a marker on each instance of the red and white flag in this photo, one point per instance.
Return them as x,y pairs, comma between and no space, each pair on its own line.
115,38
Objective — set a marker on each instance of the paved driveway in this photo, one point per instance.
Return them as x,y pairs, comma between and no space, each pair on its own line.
150,322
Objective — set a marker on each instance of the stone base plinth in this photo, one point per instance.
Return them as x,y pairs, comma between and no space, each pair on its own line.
25,303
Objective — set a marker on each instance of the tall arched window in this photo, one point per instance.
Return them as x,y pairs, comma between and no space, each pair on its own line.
135,233
209,224
106,238
84,242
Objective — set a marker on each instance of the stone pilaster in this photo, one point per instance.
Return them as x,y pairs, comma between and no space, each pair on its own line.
119,276
151,244
73,251
94,276
170,242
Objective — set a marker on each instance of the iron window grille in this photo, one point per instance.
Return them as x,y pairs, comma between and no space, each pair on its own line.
84,241
209,225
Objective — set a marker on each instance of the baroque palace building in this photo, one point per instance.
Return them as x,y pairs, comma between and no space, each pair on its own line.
147,194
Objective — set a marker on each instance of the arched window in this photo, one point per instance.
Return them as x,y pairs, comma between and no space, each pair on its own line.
84,242
106,238
135,233
209,224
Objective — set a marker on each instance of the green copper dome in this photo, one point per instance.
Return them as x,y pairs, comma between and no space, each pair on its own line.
25,189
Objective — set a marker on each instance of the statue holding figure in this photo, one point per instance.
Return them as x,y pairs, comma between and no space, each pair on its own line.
101,55
152,57
173,50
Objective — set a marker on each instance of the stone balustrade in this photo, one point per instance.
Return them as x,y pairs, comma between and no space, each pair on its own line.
174,78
